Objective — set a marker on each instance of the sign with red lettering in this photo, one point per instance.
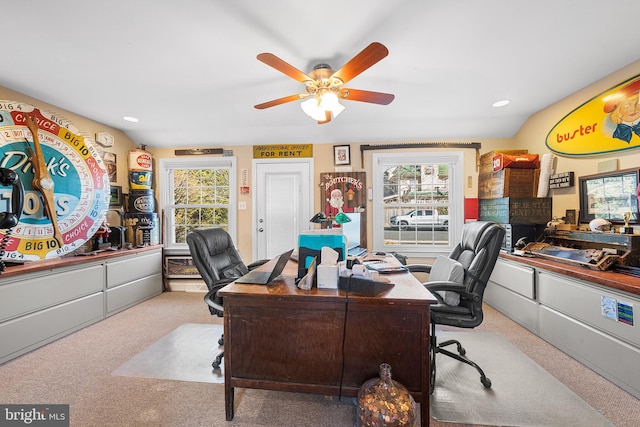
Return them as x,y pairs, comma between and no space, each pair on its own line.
606,123
80,183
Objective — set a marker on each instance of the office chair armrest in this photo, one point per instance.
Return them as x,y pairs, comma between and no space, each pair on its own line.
445,286
209,298
256,264
419,268
451,286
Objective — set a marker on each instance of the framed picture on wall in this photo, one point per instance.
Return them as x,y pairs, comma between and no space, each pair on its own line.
571,217
109,160
342,154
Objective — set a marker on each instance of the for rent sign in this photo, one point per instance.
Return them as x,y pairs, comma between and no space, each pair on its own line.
282,151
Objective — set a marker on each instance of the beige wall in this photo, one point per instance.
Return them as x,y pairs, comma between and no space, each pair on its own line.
323,162
87,128
534,132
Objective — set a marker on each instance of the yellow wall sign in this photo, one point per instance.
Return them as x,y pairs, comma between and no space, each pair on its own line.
607,123
283,151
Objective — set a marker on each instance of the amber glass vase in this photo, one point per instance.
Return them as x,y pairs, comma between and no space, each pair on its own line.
385,402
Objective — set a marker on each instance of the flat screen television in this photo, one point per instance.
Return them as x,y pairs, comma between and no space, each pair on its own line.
609,195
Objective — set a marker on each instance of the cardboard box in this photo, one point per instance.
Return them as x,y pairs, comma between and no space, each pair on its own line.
508,183
486,159
509,210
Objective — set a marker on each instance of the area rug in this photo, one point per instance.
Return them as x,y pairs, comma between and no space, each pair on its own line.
522,392
185,354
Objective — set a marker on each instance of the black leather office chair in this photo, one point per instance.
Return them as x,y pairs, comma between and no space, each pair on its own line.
219,264
476,253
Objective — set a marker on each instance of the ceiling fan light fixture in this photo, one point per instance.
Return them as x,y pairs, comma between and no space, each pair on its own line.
312,108
329,102
325,86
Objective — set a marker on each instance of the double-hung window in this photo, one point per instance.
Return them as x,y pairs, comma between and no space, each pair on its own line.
418,202
197,193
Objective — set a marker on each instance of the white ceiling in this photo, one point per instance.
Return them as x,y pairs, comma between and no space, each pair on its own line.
188,69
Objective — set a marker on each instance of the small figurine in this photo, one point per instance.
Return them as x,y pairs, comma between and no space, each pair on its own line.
101,238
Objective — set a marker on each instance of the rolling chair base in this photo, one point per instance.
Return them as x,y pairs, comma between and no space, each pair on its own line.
435,348
218,361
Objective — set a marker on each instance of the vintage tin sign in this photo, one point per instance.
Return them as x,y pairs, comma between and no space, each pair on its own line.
608,122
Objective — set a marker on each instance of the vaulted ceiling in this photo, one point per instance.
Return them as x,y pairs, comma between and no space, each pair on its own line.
188,69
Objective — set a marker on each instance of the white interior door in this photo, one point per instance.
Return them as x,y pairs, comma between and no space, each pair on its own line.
283,202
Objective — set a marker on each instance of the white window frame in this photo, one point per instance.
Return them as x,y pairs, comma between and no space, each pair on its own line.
166,189
456,188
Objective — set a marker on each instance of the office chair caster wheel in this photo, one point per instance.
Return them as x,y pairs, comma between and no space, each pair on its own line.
221,341
486,382
217,362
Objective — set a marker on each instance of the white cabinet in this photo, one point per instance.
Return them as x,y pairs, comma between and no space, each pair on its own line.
572,319
132,280
41,306
569,314
511,290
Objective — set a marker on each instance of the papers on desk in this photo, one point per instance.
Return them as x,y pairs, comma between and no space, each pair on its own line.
385,267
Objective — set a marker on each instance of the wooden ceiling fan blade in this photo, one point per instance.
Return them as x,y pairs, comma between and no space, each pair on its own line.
365,59
284,67
280,101
366,96
327,118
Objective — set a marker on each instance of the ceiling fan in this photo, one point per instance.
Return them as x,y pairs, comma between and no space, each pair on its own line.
324,87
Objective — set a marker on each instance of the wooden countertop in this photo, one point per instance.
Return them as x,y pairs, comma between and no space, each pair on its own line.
623,282
47,264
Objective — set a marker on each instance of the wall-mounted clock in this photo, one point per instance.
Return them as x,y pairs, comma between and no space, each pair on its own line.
105,139
66,185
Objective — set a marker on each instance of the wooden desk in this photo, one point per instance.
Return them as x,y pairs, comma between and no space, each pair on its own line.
279,337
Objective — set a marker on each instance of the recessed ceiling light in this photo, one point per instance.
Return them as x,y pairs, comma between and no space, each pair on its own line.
501,103
131,119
